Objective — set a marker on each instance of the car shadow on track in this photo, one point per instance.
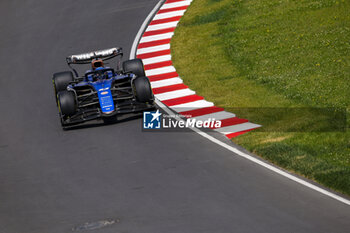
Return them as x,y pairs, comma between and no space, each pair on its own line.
100,123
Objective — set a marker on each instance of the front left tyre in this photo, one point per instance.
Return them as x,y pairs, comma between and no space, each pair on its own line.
67,103
143,90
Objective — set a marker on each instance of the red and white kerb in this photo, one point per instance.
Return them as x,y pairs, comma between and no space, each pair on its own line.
167,86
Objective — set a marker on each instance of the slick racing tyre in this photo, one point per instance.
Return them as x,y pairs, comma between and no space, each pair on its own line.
61,80
143,90
67,103
134,66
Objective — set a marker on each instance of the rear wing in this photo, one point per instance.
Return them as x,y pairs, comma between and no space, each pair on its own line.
86,58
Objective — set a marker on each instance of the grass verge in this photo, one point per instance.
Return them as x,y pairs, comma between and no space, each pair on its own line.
263,54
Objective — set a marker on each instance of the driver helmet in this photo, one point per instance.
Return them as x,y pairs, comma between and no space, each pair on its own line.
96,63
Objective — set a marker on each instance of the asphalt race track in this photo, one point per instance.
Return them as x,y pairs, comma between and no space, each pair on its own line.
55,181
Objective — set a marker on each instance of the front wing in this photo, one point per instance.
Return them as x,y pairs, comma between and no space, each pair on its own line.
89,114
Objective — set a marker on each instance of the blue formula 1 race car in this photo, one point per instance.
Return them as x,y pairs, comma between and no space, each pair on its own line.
102,92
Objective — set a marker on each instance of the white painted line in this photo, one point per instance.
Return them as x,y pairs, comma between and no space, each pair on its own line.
174,94
153,60
162,70
175,4
153,49
169,14
166,82
216,115
142,29
156,37
257,161
237,128
220,143
192,105
162,26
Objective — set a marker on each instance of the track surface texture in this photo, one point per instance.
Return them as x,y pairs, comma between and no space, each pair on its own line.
54,181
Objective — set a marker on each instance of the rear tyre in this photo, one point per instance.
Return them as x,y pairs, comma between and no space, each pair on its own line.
143,90
67,103
61,80
134,66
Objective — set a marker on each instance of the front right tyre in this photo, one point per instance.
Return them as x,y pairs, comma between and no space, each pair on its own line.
67,103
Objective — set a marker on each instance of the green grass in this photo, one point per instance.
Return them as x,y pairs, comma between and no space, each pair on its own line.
275,54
